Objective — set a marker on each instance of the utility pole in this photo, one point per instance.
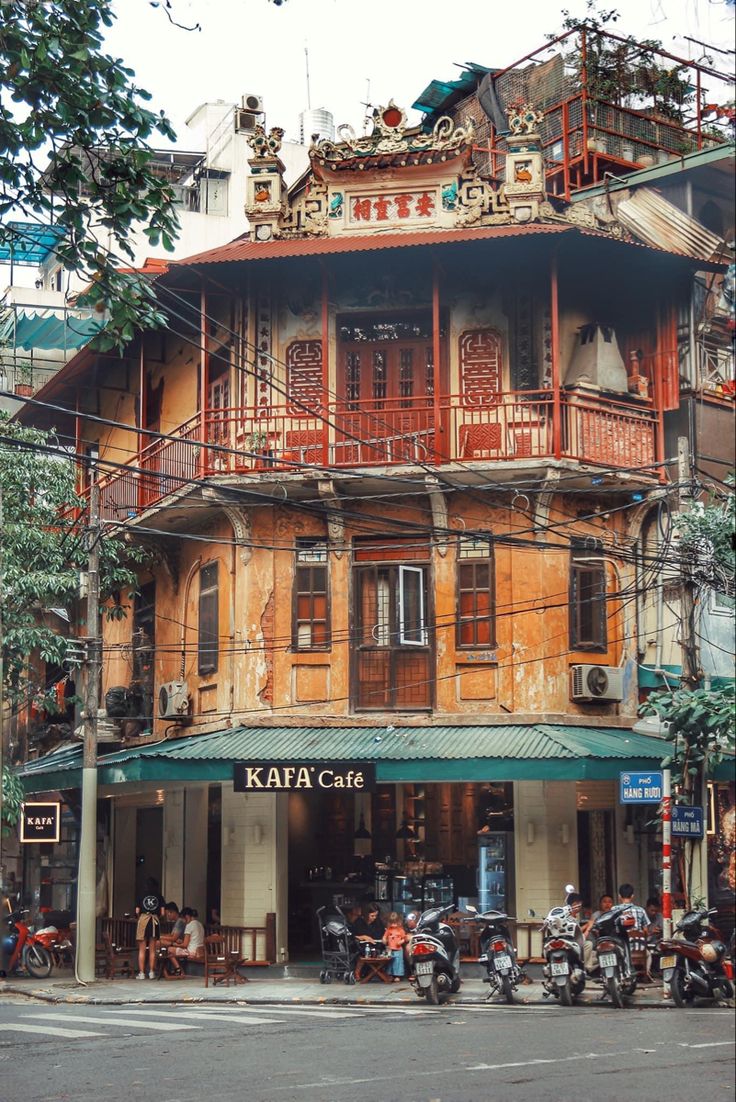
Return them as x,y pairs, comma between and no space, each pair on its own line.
87,882
691,672
2,702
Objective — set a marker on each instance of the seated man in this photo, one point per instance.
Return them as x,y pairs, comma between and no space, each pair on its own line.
191,945
171,914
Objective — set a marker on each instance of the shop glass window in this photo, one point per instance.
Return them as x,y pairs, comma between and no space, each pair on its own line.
475,593
209,629
311,615
587,598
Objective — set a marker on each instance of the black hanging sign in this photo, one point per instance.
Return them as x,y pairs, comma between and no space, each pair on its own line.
304,776
40,822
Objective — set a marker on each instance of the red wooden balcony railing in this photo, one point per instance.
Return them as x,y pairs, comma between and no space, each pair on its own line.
516,426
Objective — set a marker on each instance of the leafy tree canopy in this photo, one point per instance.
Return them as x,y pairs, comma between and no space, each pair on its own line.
74,133
701,729
44,547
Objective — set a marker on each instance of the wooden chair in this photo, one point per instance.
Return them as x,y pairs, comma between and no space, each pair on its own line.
217,961
120,961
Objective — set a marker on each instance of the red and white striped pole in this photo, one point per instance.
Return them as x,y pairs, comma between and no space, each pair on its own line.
667,854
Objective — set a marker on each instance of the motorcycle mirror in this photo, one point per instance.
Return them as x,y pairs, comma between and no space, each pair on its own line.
471,909
531,913
569,888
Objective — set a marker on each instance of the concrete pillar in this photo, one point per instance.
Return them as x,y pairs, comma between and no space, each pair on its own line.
174,841
195,848
255,861
123,883
546,849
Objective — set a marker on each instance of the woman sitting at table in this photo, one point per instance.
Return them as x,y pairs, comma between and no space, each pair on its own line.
369,928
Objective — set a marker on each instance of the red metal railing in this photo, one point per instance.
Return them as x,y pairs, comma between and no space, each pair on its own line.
509,426
603,99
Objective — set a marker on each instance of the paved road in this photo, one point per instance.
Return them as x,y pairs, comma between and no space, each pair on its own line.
266,1053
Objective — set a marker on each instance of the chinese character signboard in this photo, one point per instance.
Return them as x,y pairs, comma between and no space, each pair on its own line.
687,822
404,206
281,776
640,788
40,822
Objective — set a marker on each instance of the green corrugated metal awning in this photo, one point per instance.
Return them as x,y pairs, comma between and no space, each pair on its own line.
509,752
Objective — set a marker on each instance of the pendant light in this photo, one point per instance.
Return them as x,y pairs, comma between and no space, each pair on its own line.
406,830
362,832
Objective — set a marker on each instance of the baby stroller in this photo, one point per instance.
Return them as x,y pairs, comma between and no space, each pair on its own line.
340,950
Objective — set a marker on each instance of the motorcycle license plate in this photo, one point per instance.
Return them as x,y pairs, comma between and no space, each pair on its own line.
559,968
503,962
424,967
667,962
607,960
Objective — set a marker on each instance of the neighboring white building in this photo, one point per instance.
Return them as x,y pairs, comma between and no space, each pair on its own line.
207,169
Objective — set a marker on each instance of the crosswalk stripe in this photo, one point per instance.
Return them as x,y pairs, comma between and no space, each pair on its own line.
162,1026
48,1030
204,1016
226,1015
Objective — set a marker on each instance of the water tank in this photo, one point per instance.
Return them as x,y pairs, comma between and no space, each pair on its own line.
317,121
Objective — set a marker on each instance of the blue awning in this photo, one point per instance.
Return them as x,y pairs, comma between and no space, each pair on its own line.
43,330
27,242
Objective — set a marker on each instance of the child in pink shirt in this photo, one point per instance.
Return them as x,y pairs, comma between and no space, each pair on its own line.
395,938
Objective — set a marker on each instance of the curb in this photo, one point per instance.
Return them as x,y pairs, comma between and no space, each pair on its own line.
271,1000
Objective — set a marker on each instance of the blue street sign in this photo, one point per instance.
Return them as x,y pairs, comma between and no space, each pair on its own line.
640,788
687,822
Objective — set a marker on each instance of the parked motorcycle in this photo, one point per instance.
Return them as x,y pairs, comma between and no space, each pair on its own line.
58,943
20,948
694,965
498,954
434,957
562,948
613,933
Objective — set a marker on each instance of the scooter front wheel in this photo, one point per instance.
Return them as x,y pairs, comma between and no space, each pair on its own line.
37,961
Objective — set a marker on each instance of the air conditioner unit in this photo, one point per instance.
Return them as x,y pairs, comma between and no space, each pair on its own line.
252,102
245,121
597,684
173,700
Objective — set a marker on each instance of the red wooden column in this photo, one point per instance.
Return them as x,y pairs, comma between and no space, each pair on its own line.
555,335
658,384
142,419
203,381
326,404
436,352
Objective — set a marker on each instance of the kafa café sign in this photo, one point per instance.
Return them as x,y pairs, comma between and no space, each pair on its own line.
40,822
304,776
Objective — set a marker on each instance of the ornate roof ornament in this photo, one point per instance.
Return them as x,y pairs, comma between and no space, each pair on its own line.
266,145
390,135
524,119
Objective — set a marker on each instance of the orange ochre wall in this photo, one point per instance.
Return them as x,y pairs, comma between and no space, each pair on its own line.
260,675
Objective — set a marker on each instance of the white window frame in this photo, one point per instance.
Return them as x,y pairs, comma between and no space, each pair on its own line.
405,571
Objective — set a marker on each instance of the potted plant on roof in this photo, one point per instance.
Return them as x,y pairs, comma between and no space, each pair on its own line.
23,386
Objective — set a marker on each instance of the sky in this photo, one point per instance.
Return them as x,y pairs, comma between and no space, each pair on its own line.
362,50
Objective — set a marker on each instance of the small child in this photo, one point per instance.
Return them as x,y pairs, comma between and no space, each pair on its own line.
395,938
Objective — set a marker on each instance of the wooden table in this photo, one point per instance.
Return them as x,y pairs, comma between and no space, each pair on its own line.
368,967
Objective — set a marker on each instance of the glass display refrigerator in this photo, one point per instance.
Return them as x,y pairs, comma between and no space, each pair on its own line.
413,893
496,871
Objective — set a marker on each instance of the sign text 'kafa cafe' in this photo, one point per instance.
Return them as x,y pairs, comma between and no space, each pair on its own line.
279,776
